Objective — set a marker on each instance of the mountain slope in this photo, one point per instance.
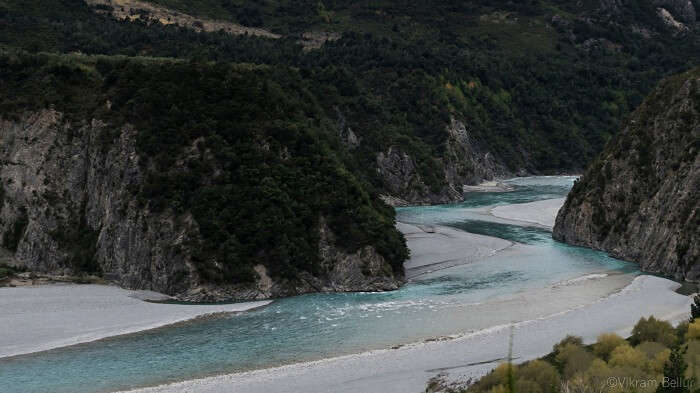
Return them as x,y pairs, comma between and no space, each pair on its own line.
538,86
639,199
234,149
199,180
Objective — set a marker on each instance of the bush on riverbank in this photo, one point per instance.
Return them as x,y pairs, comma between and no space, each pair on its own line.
656,358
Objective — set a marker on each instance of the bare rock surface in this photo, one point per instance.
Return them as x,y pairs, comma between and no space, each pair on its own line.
640,199
69,205
463,162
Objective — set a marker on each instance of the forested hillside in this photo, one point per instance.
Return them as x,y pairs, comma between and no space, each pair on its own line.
242,150
539,86
261,134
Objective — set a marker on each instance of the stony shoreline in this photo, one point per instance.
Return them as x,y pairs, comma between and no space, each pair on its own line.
408,368
42,317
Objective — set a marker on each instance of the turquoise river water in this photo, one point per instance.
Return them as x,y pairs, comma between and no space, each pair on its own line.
447,302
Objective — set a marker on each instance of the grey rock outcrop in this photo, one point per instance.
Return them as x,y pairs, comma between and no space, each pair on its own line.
466,162
75,199
671,22
69,205
401,178
640,200
363,270
682,10
463,162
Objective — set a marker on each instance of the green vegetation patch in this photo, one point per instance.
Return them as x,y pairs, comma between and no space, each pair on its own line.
655,355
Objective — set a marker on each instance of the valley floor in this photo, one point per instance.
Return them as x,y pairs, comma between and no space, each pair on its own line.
38,318
44,317
408,369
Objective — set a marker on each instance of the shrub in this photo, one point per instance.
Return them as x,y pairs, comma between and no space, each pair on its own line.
651,349
692,358
659,361
625,356
565,341
695,308
537,376
607,342
527,386
6,271
493,381
675,370
693,332
498,389
598,374
572,359
681,330
652,329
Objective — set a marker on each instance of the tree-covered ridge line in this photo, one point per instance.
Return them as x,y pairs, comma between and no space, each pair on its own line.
543,94
244,148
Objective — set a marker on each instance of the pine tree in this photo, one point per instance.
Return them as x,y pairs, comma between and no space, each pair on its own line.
674,380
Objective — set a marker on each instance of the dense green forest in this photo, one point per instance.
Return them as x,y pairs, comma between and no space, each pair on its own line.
258,171
542,85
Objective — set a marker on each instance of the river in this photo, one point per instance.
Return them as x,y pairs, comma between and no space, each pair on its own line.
513,285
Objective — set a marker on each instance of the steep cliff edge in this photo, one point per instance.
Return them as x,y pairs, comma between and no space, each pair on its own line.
68,206
463,162
203,182
639,200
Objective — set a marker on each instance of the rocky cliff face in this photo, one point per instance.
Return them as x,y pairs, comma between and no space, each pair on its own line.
69,205
682,10
463,162
640,199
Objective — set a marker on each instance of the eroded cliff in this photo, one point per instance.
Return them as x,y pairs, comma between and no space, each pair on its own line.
69,206
462,162
639,200
196,190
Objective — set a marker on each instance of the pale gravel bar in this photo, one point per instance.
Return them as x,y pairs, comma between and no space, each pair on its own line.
539,212
39,318
438,247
